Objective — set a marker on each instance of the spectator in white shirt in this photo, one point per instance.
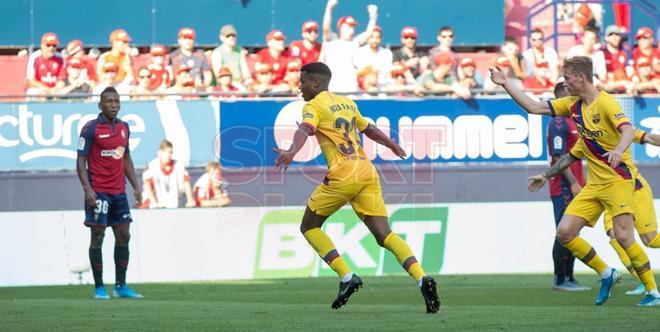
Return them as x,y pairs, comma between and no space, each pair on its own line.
374,55
588,48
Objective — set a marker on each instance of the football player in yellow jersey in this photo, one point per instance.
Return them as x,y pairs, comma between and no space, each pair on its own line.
351,178
645,217
607,134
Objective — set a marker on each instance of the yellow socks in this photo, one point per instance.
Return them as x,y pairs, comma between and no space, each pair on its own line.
642,265
623,256
584,252
326,249
404,255
655,243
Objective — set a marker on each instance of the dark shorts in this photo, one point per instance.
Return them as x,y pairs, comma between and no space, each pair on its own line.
110,210
560,203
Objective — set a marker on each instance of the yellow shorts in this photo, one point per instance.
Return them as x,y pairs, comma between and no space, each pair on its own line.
615,197
645,219
356,182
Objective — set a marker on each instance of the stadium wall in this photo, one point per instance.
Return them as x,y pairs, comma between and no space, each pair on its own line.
252,243
151,22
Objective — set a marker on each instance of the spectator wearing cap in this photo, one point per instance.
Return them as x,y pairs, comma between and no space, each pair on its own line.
445,41
615,62
76,50
160,73
263,83
108,77
511,51
119,54
184,83
402,82
646,80
645,49
541,63
416,60
374,55
143,88
225,84
291,81
440,79
77,81
588,48
471,78
274,55
230,55
45,68
338,49
307,49
186,55
368,81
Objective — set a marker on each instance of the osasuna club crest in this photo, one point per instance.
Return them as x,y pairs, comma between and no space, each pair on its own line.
596,118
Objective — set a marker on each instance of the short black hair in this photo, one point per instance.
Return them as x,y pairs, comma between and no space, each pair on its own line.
560,90
319,69
445,28
109,89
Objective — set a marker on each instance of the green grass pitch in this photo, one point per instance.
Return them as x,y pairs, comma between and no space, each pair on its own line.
472,302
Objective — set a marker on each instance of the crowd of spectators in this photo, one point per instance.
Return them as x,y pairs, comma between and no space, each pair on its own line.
359,62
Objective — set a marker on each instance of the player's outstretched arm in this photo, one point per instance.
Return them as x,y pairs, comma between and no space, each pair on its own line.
285,157
539,180
379,137
129,171
653,139
81,168
528,104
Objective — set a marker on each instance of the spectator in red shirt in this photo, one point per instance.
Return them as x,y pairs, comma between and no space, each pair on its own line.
45,68
291,81
307,49
264,80
160,73
183,84
196,60
645,49
75,50
274,55
120,54
646,80
225,83
76,82
414,59
615,62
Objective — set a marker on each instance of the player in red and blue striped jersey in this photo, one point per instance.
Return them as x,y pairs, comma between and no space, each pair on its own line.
103,161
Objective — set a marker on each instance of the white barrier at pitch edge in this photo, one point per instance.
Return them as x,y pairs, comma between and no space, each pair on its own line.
41,248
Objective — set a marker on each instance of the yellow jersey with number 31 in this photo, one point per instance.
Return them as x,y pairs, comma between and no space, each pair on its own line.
334,120
598,125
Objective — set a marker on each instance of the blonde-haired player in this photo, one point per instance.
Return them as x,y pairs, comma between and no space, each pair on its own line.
607,133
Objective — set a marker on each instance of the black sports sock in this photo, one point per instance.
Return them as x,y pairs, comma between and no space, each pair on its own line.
570,264
121,264
559,258
96,261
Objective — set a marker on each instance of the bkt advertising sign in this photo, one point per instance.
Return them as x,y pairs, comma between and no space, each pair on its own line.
646,116
283,252
433,130
41,136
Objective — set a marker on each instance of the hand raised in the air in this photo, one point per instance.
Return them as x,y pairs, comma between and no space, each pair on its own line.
497,75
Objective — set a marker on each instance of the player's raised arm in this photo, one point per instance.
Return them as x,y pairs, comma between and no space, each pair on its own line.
379,137
528,104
